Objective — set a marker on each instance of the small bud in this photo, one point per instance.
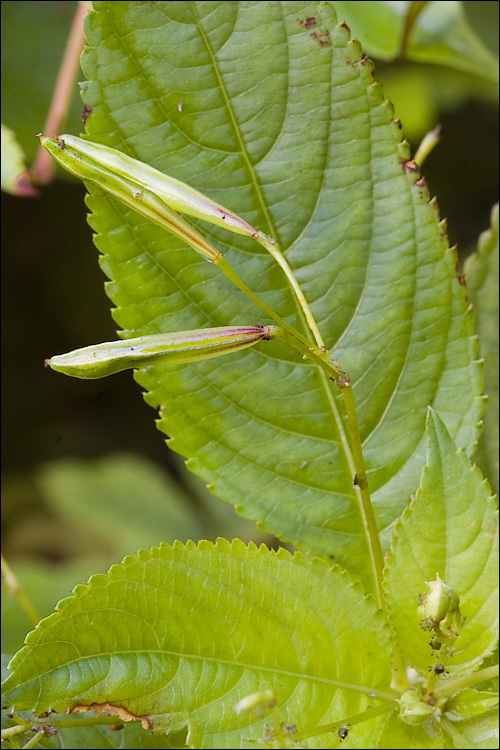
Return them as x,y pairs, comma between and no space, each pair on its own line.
413,709
257,703
163,349
439,611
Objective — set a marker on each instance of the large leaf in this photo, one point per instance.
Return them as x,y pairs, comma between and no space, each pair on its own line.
278,117
481,274
450,528
179,635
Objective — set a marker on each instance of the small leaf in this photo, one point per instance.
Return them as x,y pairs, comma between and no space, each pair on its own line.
469,702
180,634
449,528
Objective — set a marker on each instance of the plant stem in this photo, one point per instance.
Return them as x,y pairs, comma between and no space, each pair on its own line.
34,740
342,380
14,588
224,266
320,356
361,483
351,721
468,680
273,249
43,169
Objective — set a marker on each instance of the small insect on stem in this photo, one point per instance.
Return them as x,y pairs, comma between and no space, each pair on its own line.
61,144
438,669
343,731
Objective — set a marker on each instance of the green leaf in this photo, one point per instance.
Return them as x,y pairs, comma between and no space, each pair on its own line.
480,732
13,166
129,737
178,635
441,34
469,702
302,145
481,275
398,734
450,528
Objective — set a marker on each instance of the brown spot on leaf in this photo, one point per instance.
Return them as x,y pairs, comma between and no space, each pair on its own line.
322,37
111,710
461,279
308,22
86,112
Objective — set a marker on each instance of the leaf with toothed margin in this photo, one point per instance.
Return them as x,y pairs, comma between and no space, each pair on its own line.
481,276
179,635
450,528
279,119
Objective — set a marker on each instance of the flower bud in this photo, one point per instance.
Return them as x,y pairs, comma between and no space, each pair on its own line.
163,349
413,709
257,703
439,610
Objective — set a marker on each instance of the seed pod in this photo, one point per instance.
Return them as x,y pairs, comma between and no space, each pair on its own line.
105,359
173,193
131,193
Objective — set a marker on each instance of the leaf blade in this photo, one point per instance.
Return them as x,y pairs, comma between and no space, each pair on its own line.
354,222
188,652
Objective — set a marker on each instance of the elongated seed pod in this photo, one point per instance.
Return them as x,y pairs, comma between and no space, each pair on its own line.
175,194
105,359
136,196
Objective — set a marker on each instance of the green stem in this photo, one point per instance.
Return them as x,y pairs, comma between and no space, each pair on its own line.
14,588
34,740
321,357
273,249
351,721
450,687
11,731
361,483
224,266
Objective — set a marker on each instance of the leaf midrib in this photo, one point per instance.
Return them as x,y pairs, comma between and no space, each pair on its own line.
197,657
272,231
